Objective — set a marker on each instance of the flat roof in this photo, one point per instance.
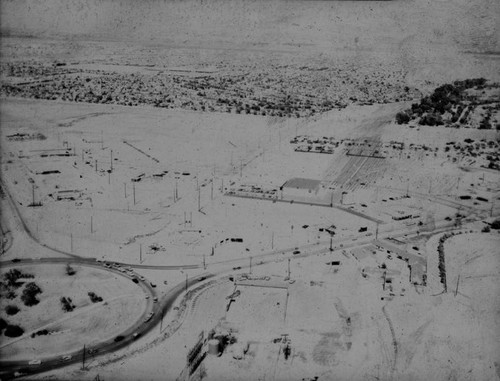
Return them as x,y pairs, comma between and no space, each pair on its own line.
302,183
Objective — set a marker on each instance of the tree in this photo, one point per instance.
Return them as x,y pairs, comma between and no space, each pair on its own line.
29,294
13,331
12,277
402,117
3,325
12,309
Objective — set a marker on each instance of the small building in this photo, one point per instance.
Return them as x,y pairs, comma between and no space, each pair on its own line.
301,187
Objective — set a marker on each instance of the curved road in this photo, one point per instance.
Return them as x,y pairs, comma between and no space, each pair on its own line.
9,369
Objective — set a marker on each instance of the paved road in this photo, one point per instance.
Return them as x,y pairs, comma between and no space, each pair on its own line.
8,369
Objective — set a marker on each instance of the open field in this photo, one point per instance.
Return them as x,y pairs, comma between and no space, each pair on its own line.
86,324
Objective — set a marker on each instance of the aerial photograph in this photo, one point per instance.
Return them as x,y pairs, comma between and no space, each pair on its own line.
250,190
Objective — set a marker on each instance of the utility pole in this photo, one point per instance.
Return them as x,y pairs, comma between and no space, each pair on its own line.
133,191
140,253
212,190
288,268
71,241
199,199
176,194
331,242
125,189
204,264
272,241
250,265
83,358
96,165
91,225
376,232
186,282
111,160
102,141
241,167
33,192
161,320
456,289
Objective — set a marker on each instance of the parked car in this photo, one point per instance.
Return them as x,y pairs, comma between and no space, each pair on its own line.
34,362
66,358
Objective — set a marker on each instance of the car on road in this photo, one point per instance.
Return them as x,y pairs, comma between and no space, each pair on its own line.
34,362
142,278
147,296
119,338
148,317
66,358
136,335
15,260
237,268
155,299
135,280
295,252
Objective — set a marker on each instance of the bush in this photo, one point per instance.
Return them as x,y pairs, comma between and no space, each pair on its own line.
13,331
70,270
12,309
94,298
67,304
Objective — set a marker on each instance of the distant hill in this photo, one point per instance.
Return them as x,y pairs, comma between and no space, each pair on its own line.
426,36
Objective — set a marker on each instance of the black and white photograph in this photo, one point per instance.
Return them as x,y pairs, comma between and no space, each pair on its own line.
250,190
